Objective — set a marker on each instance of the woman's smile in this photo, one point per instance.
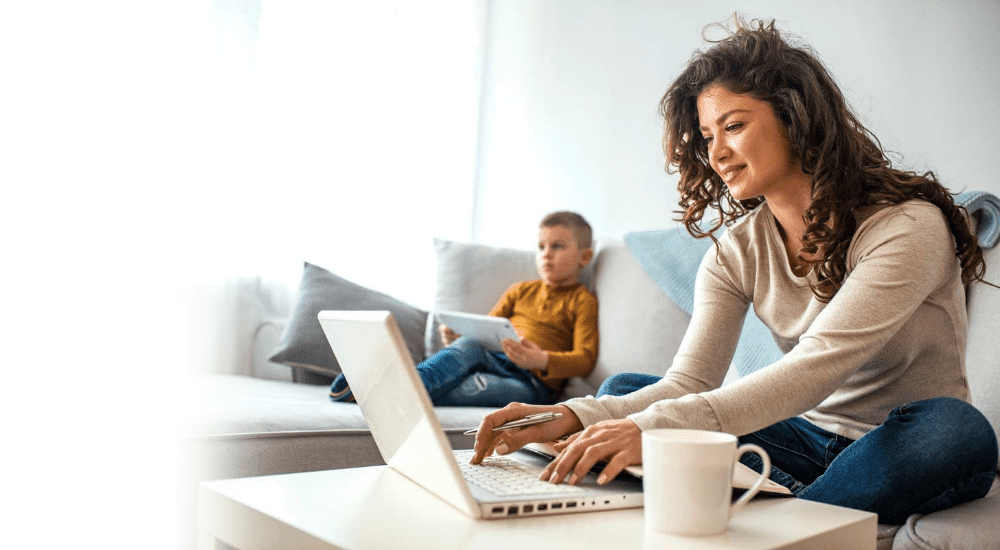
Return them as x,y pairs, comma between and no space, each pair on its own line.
747,145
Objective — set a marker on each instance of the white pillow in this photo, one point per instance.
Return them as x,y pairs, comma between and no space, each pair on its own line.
471,278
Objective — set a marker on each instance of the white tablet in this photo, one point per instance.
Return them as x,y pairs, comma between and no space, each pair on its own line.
485,329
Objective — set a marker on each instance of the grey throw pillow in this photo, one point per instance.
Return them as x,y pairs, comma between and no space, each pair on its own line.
303,343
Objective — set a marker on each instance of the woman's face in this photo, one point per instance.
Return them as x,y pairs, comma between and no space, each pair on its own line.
747,145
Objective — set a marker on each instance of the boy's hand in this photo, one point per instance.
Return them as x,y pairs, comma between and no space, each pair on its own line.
447,335
526,354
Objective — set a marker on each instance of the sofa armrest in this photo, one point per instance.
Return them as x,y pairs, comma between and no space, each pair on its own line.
265,339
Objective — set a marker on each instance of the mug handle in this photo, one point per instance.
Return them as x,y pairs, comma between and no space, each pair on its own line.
755,488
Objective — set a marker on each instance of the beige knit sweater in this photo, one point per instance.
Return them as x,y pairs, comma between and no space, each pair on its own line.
893,334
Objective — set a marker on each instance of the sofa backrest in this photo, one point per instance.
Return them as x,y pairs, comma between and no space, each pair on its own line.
640,327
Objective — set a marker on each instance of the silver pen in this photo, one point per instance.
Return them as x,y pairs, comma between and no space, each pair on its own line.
529,420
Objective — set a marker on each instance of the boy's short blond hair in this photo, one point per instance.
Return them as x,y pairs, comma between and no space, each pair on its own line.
575,223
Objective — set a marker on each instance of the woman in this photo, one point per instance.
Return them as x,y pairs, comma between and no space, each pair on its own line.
856,267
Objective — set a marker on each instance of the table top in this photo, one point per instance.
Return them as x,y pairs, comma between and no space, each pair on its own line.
376,507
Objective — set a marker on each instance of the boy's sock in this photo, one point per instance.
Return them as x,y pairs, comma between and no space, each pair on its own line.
340,391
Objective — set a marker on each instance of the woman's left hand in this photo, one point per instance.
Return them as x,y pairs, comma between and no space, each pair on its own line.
617,442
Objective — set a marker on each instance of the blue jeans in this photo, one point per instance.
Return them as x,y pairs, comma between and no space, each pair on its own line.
466,374
927,456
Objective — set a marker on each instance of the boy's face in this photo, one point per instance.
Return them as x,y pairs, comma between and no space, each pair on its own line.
559,258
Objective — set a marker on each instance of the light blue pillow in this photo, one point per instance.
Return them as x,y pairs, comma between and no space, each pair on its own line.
985,207
671,257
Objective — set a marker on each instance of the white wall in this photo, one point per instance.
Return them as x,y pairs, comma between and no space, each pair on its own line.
572,88
150,151
348,142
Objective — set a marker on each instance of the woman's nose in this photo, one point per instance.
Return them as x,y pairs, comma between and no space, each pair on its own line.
717,150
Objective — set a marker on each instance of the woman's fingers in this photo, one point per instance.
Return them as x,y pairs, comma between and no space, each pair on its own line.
486,439
617,442
513,440
615,466
563,443
591,456
570,452
508,441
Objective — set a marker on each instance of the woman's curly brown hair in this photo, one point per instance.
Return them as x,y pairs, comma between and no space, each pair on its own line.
848,167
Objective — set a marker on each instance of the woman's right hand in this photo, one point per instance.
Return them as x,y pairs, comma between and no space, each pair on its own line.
508,441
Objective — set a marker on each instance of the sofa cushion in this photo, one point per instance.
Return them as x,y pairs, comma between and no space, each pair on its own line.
303,343
237,426
230,406
969,526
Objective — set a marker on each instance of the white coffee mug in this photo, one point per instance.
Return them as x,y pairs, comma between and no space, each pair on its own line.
687,480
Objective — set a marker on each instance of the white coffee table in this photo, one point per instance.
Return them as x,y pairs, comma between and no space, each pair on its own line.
378,508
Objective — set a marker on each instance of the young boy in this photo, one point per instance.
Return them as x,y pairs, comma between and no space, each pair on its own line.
555,316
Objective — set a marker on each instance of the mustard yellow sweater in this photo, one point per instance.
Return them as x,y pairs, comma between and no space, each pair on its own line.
562,321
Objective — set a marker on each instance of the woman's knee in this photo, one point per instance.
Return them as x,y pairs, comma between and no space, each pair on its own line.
942,413
949,424
625,383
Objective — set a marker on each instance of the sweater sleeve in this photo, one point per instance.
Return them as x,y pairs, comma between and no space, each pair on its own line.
505,305
699,366
581,359
897,259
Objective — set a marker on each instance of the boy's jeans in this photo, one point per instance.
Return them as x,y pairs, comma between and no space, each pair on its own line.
466,374
927,456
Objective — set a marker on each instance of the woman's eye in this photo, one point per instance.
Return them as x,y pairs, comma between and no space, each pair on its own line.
734,126
708,140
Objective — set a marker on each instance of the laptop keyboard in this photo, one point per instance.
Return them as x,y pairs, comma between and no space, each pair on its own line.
506,477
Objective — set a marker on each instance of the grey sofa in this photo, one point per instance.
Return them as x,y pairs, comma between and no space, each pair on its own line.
264,418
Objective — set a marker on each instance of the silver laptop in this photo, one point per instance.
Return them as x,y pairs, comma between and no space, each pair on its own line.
393,400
